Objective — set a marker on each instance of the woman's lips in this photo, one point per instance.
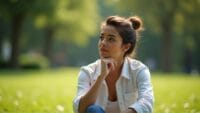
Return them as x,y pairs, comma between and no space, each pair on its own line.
103,50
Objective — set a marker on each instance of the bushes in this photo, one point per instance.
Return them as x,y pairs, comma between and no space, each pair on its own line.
33,61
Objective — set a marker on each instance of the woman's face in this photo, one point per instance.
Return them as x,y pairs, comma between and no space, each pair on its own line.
110,44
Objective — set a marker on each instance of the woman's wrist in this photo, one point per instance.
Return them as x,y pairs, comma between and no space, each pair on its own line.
102,76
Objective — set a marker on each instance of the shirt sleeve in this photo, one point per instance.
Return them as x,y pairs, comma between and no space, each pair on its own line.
145,99
82,88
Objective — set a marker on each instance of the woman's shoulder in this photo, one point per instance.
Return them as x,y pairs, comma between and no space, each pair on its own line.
136,64
92,67
138,68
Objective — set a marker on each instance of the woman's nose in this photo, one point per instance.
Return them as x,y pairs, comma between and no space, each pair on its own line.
103,42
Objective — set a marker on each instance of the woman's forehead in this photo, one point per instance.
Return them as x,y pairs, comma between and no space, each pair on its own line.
109,30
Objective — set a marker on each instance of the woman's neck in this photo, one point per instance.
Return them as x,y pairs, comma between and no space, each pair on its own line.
118,66
120,63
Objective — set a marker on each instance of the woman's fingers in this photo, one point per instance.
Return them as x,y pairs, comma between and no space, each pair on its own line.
110,63
107,65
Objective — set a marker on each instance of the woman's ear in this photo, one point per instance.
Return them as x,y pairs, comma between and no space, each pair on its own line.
126,47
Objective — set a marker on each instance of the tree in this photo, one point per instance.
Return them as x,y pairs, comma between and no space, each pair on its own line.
2,35
56,16
69,22
190,32
16,12
161,17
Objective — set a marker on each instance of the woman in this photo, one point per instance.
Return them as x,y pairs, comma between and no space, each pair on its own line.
115,83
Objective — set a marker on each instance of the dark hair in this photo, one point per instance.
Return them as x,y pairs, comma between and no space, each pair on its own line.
127,28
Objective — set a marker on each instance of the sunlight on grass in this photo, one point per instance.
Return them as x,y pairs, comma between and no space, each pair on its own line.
52,91
176,94
41,92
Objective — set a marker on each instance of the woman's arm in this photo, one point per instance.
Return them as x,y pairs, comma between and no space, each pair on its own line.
145,99
90,97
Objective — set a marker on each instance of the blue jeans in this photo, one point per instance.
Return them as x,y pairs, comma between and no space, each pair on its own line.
94,109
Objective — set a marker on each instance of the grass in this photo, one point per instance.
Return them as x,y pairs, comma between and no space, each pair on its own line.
52,91
176,93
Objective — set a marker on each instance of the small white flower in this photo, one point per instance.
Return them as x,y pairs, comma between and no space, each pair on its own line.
34,102
60,108
16,102
192,111
167,110
186,105
192,97
162,106
19,94
173,105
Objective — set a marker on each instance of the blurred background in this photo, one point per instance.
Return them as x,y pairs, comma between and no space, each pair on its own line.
43,43
49,33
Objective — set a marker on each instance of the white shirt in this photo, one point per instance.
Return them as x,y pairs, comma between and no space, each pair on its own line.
112,107
134,88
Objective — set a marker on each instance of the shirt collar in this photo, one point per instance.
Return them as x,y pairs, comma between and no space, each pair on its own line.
125,69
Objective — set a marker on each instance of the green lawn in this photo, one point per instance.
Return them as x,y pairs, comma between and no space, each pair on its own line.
52,92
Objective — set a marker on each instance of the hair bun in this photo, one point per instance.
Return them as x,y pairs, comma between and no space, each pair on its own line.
136,22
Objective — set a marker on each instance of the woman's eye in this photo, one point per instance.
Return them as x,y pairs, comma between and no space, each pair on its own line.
101,38
111,39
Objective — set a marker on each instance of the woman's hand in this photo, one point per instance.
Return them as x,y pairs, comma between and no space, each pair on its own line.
107,64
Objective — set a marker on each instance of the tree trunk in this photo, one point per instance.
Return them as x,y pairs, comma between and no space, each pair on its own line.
166,46
1,44
196,52
16,25
48,44
1,40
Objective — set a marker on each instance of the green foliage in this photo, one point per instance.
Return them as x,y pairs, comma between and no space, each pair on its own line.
62,20
33,61
174,21
73,18
10,8
73,21
53,91
176,12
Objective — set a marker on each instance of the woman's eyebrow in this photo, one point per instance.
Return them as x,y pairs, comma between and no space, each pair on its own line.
111,35
102,34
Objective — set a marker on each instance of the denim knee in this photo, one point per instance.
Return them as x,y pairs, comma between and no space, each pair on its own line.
94,109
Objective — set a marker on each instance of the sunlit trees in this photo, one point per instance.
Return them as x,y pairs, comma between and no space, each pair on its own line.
66,19
15,12
168,19
72,20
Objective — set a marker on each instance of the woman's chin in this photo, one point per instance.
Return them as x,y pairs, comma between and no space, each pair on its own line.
104,56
